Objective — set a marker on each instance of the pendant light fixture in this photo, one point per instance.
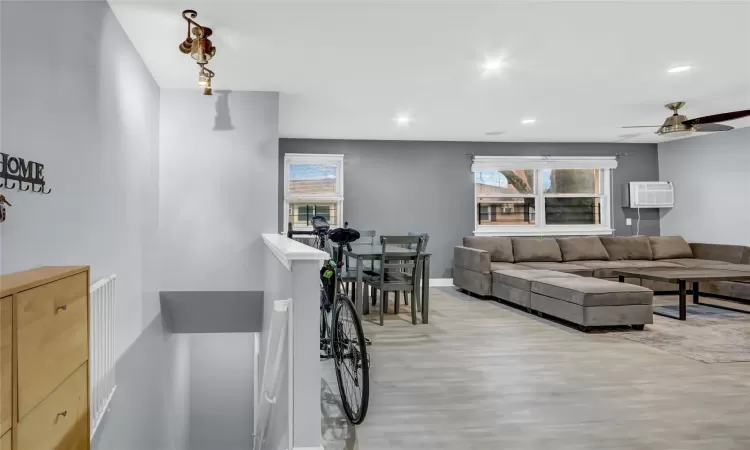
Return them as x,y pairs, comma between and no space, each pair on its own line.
198,45
204,79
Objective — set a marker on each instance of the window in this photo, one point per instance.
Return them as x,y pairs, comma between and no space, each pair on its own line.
542,195
313,186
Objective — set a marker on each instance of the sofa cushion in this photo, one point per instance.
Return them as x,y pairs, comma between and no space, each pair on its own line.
506,266
732,289
644,264
521,279
559,267
582,249
592,291
500,248
627,247
521,297
744,268
692,262
670,247
605,269
536,249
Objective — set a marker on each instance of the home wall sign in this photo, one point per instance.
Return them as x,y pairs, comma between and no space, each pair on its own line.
25,175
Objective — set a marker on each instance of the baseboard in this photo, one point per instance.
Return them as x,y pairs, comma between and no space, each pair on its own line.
441,282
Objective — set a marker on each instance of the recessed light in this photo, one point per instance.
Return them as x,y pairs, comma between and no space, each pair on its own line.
403,120
528,121
679,69
492,65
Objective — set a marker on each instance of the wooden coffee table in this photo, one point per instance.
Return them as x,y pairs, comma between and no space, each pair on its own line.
682,276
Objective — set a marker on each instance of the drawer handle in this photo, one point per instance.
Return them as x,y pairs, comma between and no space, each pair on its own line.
64,413
63,307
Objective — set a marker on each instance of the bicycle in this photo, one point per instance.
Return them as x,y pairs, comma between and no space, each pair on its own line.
341,336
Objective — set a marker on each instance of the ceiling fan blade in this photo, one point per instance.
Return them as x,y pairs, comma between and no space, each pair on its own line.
708,127
643,126
718,117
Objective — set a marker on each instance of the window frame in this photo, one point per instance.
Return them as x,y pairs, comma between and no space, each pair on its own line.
538,165
337,197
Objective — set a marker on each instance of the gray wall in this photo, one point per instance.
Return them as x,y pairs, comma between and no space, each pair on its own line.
88,111
218,167
711,176
400,186
221,391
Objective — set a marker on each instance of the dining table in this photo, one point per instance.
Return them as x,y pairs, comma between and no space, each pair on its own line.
373,252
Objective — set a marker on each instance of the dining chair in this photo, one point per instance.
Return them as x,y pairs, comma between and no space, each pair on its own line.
424,249
398,272
347,276
365,237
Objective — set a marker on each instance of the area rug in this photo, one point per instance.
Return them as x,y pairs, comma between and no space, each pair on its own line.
709,335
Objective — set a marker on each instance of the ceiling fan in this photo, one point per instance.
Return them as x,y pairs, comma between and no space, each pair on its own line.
679,125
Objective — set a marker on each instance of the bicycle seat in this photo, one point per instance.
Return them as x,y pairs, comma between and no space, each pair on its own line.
343,236
320,224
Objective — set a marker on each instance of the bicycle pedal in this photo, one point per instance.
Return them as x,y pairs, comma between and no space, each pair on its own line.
368,342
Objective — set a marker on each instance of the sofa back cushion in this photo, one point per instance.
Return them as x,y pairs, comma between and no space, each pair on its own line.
536,249
627,247
587,248
500,248
670,247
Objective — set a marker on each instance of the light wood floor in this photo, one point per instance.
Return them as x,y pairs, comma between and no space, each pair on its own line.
482,375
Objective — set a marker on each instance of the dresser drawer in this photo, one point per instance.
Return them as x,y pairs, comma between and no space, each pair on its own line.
61,421
6,364
5,441
52,322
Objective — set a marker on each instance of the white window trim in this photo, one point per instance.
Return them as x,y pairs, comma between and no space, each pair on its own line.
539,163
337,197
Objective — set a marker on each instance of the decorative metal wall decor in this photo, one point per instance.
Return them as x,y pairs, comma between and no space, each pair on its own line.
198,45
3,202
24,175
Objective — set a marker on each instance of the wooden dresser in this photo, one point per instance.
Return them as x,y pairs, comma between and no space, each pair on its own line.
44,352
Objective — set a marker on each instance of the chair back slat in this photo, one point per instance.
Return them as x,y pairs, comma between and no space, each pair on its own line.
419,233
400,259
399,240
365,237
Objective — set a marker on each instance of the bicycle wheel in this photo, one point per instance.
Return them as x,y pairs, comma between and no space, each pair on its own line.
350,359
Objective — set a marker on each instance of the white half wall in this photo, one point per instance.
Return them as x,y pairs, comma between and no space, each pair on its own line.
711,176
217,188
90,114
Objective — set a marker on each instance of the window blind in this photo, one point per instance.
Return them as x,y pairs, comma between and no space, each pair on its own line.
494,163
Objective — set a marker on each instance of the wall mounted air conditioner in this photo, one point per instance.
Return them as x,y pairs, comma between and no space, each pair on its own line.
648,194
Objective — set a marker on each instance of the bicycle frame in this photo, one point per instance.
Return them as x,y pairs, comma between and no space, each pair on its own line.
338,288
350,344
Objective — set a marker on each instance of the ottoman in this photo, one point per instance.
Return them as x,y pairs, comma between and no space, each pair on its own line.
591,302
514,286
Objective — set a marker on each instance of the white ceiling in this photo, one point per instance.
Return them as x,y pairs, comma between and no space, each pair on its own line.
346,69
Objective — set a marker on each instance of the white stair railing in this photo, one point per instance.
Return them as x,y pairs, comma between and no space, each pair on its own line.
102,348
273,426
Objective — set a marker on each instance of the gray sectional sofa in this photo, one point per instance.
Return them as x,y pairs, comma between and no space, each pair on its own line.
573,278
